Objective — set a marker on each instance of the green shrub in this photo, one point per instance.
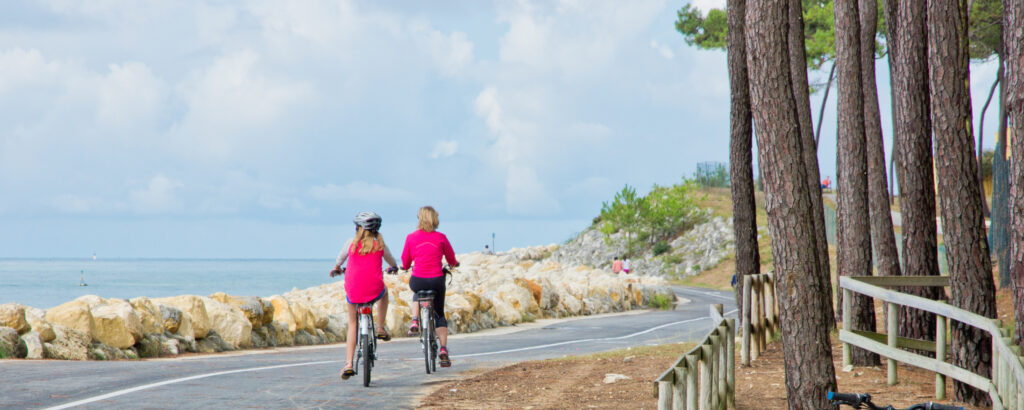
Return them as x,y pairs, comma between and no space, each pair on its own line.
660,301
661,247
672,259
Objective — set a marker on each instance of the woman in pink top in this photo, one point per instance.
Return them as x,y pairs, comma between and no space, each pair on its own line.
364,280
426,247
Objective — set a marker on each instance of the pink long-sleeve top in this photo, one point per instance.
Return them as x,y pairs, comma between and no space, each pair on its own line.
427,249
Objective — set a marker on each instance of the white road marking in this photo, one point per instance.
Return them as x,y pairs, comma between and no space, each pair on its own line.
179,380
256,369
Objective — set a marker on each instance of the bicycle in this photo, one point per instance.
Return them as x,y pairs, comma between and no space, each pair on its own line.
428,332
366,342
863,401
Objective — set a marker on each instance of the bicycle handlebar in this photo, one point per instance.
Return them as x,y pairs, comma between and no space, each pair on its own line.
857,401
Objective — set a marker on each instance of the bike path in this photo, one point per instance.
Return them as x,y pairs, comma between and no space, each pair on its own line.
307,377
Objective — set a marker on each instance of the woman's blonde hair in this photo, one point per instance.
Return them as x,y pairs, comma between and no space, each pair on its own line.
428,219
367,241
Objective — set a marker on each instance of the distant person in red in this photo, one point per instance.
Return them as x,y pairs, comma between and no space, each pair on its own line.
617,266
826,183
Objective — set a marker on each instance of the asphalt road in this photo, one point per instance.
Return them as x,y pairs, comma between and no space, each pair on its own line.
307,377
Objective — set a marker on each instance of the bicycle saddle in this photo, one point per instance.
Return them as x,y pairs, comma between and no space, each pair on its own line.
425,295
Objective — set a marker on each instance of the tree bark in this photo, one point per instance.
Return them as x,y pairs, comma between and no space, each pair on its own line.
798,73
963,225
1013,86
804,326
741,170
913,132
1001,188
852,176
882,235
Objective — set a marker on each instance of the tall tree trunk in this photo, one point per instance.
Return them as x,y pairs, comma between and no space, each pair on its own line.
882,235
852,176
804,327
1001,187
798,73
913,131
963,225
741,168
1013,86
981,130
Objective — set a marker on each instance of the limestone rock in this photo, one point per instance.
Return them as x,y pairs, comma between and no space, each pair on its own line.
36,318
303,315
230,323
148,346
171,318
212,343
11,345
116,325
33,345
304,338
279,335
251,306
12,315
149,314
169,347
614,377
101,351
75,314
283,312
194,306
268,312
69,344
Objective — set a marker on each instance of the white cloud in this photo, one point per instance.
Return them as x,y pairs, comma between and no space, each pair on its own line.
159,196
75,204
444,149
129,95
663,49
231,104
705,5
449,53
360,191
525,194
20,67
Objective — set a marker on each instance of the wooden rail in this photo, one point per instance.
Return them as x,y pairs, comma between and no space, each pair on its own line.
760,316
1006,384
704,377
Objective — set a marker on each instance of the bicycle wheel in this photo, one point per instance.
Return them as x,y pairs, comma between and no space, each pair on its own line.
433,343
425,336
367,349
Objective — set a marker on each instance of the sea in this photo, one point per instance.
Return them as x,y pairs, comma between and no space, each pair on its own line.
45,283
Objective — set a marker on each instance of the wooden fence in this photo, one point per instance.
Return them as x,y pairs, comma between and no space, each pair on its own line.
760,316
1005,387
704,377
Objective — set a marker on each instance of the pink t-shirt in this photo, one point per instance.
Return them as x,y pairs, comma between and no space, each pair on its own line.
364,276
426,249
617,266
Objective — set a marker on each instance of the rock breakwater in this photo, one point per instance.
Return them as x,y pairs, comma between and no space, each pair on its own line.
487,291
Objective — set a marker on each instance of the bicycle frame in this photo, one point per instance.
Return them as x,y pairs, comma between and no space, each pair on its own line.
366,341
428,334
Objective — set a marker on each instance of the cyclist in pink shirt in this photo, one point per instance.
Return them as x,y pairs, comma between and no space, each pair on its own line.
426,247
364,280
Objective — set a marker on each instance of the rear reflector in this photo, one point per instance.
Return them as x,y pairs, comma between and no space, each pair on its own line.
366,310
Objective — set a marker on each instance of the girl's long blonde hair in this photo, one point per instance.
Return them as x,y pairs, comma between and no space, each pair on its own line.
428,219
367,242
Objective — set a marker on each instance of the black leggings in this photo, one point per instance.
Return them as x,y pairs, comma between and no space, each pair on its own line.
437,285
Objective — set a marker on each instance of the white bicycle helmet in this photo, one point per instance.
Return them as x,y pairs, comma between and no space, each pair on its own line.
369,221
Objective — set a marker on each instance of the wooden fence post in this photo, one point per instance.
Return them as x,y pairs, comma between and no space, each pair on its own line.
664,395
679,391
692,363
705,377
723,366
762,332
745,322
940,355
712,361
847,319
893,333
773,307
731,363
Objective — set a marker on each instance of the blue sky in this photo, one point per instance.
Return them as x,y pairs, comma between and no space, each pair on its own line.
257,129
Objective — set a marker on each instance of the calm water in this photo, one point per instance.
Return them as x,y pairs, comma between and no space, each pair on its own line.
44,283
